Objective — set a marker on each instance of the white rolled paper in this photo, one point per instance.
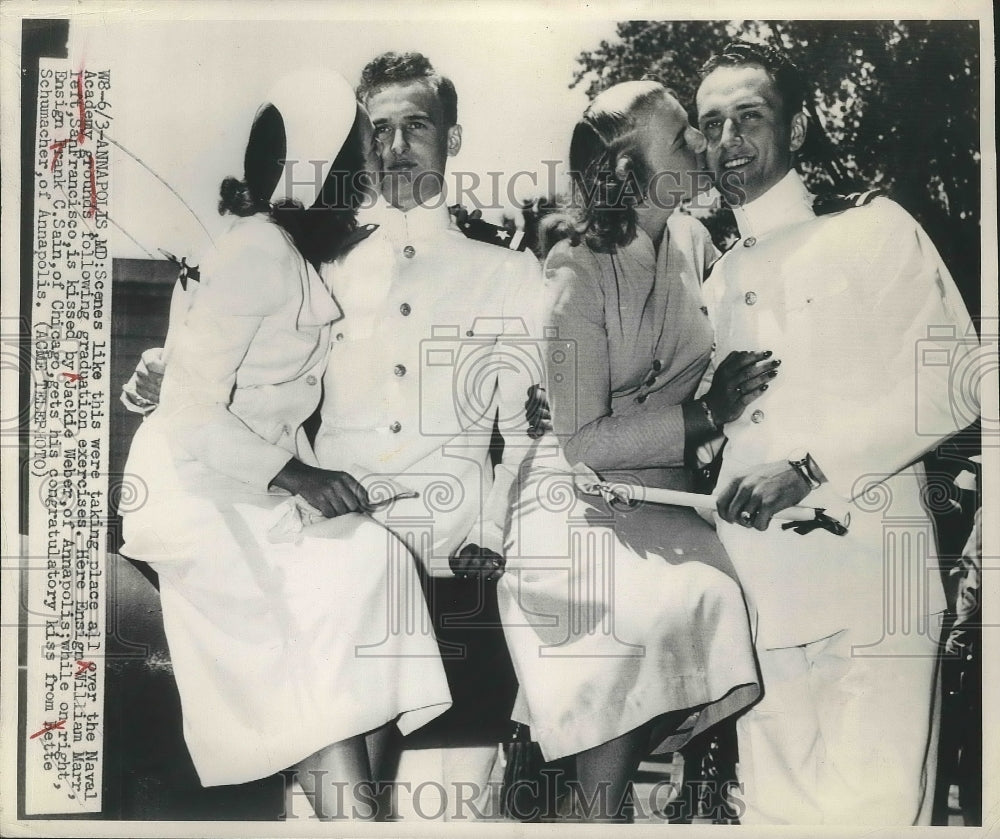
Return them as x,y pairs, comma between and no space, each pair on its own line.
679,498
705,502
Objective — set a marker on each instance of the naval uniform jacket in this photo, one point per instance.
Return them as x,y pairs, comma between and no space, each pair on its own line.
438,335
870,330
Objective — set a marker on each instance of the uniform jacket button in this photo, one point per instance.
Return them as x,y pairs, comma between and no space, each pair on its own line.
399,370
396,427
340,336
311,380
405,309
409,251
749,242
751,298
757,416
641,399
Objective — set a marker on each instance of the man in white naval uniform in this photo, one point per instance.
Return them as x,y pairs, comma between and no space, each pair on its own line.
437,337
414,382
870,329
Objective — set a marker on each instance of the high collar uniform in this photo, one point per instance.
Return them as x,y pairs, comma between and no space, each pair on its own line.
854,304
438,335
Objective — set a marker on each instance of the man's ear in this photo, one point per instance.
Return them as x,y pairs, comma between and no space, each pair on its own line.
798,131
454,140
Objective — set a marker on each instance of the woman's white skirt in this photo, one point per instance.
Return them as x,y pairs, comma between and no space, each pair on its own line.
616,618
279,648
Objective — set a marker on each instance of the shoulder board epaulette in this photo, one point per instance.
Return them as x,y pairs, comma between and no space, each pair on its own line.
359,234
824,205
491,234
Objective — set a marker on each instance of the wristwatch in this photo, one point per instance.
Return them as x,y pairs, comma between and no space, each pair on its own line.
801,461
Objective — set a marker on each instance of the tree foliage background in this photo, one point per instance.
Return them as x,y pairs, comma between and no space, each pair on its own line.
899,99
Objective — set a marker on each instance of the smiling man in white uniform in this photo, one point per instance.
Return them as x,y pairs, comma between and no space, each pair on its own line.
870,328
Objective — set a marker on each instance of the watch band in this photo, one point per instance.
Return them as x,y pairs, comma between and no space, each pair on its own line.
802,463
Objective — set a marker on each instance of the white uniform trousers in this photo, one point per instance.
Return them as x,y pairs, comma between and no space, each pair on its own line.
842,738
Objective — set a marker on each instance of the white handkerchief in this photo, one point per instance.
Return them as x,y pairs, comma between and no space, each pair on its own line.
292,516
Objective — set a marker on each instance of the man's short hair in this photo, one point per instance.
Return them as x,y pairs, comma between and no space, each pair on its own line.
786,76
400,68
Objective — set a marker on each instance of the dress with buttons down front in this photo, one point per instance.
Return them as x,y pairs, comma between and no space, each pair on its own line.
264,635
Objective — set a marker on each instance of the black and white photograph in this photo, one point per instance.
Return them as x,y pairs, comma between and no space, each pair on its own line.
470,417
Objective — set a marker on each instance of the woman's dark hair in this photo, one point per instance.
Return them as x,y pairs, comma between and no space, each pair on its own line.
602,213
318,231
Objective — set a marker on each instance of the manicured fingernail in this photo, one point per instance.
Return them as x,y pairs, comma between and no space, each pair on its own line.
772,373
763,387
777,363
767,354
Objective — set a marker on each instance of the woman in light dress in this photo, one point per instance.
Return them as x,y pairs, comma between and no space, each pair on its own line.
627,627
277,588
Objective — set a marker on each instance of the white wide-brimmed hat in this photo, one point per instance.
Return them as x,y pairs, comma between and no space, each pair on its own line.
297,133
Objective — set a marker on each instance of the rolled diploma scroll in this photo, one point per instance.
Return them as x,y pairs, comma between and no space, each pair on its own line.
693,499
588,481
